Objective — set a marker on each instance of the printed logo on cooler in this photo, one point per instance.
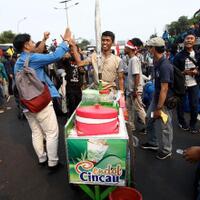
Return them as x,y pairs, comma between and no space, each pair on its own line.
88,173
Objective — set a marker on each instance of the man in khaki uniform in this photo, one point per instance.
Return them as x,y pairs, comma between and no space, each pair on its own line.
111,65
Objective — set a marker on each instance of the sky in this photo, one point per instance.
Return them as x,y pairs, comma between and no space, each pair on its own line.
126,18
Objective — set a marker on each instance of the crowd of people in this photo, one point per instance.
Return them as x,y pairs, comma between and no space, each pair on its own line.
67,71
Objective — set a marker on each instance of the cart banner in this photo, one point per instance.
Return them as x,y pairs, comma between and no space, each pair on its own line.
97,161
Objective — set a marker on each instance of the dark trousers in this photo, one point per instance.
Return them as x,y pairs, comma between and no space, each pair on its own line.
1,97
193,97
73,99
10,86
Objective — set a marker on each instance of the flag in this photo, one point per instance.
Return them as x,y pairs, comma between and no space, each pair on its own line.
117,49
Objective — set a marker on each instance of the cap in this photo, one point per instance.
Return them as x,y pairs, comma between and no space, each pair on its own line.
156,42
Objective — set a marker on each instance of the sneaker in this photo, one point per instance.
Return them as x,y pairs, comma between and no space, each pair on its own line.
43,164
8,98
8,108
55,168
163,156
2,111
149,146
184,127
194,131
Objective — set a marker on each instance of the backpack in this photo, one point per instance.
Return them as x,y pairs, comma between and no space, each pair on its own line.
179,82
178,89
33,93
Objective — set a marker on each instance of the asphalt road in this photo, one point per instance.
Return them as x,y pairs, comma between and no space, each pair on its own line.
22,179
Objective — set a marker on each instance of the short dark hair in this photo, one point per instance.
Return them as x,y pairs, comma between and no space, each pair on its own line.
160,49
189,33
136,42
109,34
19,41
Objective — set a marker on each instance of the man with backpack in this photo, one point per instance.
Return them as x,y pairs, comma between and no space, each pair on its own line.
156,123
188,61
42,123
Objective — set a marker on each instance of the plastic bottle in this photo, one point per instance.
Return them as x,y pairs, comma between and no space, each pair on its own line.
100,86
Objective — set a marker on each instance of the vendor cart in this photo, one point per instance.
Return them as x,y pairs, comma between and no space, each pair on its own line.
98,160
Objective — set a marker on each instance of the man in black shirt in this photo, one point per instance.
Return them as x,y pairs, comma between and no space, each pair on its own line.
74,80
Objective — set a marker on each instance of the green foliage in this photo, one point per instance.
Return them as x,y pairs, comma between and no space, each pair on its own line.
182,25
6,37
178,27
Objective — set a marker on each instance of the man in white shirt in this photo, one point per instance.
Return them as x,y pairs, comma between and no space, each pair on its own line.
188,61
135,85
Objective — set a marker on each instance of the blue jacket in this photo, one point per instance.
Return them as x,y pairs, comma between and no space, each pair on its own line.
38,61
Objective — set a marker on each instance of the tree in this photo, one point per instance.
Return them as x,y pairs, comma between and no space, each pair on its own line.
83,44
183,24
172,28
7,37
178,27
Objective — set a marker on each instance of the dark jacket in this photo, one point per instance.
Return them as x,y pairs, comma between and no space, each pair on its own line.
179,62
179,59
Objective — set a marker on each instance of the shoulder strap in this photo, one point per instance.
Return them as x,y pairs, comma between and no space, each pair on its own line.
26,63
191,59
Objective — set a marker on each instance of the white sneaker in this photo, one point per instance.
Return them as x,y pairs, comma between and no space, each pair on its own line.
8,108
8,98
2,111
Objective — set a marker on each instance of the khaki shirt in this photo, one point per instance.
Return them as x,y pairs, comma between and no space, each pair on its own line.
110,66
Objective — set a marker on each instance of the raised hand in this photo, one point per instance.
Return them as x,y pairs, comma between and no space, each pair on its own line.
67,35
46,35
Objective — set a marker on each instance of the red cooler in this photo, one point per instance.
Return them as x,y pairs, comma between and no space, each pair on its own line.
96,120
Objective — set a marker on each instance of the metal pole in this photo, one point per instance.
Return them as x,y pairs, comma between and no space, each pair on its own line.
18,23
67,16
98,38
66,10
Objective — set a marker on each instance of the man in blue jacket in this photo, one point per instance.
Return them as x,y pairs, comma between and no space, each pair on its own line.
44,123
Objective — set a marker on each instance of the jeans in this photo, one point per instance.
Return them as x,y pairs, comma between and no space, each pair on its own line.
193,96
156,126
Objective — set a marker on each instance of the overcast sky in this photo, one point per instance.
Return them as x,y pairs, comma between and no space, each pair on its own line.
126,18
